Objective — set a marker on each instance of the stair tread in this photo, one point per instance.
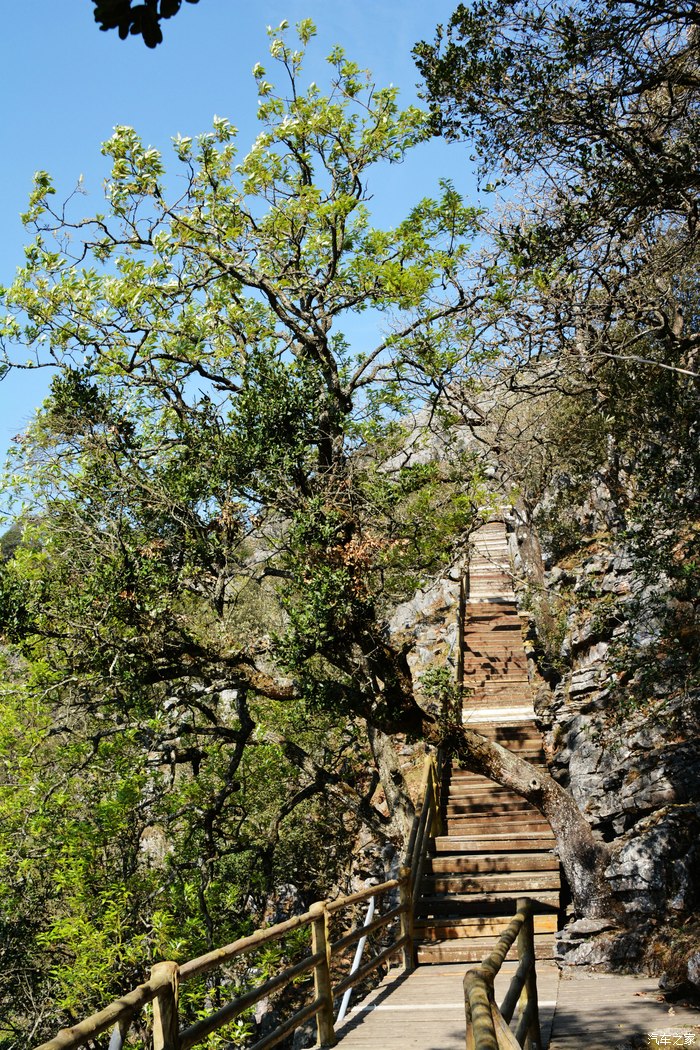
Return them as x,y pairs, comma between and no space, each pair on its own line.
476,926
475,903
482,820
497,847
452,953
486,862
524,882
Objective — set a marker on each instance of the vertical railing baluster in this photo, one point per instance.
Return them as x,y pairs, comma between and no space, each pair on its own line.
528,999
119,1033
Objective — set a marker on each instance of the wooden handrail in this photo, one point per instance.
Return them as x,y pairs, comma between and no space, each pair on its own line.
426,822
123,1009
162,987
219,956
487,1024
461,624
361,895
204,1027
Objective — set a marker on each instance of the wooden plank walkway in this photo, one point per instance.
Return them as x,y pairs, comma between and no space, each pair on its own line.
600,1012
424,1010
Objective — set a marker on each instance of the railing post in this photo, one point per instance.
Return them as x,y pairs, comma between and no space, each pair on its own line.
320,943
528,999
406,919
166,1024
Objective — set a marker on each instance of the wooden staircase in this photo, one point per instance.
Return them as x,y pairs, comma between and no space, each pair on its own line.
495,847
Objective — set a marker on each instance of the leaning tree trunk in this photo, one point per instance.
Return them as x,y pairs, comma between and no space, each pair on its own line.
394,710
583,857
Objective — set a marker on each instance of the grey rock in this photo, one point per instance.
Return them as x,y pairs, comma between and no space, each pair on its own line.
588,926
694,969
615,584
582,681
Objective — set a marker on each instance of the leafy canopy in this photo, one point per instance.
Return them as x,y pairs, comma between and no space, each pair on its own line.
206,392
220,508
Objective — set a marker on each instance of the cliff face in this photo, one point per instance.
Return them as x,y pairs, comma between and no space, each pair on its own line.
608,648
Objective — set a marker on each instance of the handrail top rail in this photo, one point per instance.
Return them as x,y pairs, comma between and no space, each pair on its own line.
203,963
487,1024
490,965
120,1010
361,895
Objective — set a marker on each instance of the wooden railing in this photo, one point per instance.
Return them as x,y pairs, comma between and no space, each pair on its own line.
162,987
461,626
426,823
488,1024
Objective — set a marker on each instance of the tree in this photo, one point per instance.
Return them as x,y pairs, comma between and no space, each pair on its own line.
221,502
600,100
585,119
590,115
137,18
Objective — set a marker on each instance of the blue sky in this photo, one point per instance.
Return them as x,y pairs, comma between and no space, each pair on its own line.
67,85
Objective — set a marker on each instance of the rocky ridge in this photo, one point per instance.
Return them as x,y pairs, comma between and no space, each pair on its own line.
634,770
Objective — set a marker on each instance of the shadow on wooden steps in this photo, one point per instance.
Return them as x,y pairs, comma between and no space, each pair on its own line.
496,849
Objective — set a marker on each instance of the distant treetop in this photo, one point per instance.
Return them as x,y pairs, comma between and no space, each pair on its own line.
134,18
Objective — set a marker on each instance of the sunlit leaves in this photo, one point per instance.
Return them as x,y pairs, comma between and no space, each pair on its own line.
215,517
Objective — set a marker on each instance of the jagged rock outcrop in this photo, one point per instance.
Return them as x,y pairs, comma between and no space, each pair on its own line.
632,764
429,623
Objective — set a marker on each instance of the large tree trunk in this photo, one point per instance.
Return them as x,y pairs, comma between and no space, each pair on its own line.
398,799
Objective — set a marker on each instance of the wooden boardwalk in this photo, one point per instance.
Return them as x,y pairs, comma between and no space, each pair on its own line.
600,1012
424,1010
494,851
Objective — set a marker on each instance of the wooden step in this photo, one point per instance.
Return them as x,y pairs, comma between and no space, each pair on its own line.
519,882
506,842
490,863
485,903
477,688
460,827
495,649
485,626
507,821
479,785
510,743
476,793
509,668
459,951
478,670
508,735
493,689
489,808
476,926
510,814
